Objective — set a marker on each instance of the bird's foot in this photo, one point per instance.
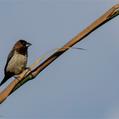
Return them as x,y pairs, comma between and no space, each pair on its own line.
23,74
18,77
28,68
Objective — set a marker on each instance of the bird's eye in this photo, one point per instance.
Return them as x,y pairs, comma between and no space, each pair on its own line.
23,42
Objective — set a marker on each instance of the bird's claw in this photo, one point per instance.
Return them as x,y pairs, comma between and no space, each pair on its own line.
18,77
28,68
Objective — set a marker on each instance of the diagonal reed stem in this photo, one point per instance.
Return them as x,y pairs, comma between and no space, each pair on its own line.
14,85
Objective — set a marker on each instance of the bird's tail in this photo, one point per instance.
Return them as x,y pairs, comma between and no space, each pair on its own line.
4,80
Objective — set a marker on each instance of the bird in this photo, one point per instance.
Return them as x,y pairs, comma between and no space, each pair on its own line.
16,60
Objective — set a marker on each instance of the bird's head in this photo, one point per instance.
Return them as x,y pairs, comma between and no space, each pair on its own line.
22,45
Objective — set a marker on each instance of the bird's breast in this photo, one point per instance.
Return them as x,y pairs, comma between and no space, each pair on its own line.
17,63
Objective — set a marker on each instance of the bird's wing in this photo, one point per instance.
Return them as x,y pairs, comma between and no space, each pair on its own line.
8,59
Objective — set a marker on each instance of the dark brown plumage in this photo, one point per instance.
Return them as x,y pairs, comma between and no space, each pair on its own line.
17,60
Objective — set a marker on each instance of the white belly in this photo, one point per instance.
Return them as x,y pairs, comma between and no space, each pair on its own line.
17,63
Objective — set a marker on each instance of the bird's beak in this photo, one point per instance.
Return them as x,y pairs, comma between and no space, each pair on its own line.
28,44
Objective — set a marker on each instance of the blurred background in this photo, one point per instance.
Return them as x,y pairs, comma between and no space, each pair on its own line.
79,84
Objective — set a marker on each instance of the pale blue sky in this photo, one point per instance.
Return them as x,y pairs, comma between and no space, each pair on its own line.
79,84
